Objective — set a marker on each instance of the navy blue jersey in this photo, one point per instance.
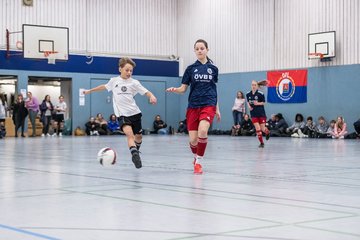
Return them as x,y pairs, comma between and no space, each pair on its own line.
258,111
202,79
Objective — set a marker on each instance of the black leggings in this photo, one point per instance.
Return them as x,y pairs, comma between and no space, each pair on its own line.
19,124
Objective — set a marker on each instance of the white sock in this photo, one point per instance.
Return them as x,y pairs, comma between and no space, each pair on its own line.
199,159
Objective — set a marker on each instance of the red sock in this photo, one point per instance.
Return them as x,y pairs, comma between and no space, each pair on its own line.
202,142
193,148
259,135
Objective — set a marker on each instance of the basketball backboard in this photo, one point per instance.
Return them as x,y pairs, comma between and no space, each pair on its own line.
321,45
39,40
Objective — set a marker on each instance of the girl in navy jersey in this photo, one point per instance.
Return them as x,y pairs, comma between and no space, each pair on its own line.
256,102
123,89
202,77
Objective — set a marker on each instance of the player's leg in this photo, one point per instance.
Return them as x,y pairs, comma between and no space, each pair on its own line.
193,125
137,129
130,136
264,129
258,132
193,142
138,141
204,126
206,117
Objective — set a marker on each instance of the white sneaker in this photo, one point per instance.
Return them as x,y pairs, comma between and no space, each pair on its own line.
295,135
300,133
60,134
96,133
43,135
53,135
48,135
91,133
342,137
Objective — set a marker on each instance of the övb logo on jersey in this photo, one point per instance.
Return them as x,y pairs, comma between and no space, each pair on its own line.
287,86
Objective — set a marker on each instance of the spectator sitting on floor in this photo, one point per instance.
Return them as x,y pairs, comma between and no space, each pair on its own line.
309,129
103,130
357,128
113,125
280,126
321,128
159,125
330,132
270,124
340,128
92,128
246,126
182,127
296,129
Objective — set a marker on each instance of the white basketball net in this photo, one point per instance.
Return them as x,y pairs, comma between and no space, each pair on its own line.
51,57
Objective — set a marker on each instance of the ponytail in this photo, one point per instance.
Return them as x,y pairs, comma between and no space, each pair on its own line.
263,83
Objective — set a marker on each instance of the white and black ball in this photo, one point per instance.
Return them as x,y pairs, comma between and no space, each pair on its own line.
106,156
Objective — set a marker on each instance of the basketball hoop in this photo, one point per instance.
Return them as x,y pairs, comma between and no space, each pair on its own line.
51,56
316,56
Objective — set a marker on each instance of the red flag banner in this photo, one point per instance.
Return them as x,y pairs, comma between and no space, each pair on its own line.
287,86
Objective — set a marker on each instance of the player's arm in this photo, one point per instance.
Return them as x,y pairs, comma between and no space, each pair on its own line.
261,101
95,89
179,90
256,103
217,114
151,97
249,105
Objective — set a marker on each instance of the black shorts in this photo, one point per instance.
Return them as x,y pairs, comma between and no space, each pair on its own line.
59,118
133,121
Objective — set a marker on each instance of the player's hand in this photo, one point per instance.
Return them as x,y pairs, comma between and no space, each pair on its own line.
153,100
256,103
218,116
171,89
86,91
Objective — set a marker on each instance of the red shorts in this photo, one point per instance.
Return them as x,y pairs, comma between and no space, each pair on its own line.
195,115
259,120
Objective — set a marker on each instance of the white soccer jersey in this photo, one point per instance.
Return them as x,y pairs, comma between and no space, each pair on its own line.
62,106
123,95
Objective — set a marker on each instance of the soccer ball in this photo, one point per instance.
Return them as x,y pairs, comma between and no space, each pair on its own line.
106,156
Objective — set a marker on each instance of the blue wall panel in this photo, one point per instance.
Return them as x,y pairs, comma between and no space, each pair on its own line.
100,65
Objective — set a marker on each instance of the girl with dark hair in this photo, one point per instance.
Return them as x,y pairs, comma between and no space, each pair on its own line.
46,108
20,112
202,77
256,102
298,126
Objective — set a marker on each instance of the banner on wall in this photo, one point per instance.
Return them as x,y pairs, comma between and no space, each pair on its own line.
287,86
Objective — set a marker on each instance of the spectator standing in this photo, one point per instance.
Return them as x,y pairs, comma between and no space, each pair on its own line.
46,109
32,104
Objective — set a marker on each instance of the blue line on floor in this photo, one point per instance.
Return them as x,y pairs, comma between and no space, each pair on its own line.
28,232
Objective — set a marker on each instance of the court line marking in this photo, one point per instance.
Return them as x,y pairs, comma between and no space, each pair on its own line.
274,226
33,234
187,187
178,207
350,214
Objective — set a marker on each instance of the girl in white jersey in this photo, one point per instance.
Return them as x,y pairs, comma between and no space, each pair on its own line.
124,88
